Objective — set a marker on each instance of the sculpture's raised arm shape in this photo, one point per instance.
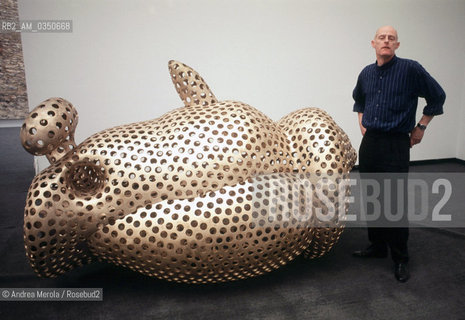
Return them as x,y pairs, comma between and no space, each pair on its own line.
191,87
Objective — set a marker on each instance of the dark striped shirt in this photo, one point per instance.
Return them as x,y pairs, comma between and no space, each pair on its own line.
388,95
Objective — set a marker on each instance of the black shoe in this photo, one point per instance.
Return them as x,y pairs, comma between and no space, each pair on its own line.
370,252
401,272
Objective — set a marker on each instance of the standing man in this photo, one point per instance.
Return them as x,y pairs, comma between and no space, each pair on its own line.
386,97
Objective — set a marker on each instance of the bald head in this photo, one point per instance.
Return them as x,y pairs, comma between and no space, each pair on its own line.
385,44
386,30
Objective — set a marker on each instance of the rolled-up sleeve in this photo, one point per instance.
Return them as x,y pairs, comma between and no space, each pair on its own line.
359,96
430,89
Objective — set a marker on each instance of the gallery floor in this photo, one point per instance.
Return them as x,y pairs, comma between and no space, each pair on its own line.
336,286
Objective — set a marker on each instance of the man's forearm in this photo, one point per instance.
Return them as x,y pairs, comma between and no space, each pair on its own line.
425,120
362,128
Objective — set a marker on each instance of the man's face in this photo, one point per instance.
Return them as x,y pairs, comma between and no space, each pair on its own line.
385,42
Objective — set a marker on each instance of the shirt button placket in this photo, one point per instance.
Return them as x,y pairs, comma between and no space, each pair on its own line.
379,93
380,78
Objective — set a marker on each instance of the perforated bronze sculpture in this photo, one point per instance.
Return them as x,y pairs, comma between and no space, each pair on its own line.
213,191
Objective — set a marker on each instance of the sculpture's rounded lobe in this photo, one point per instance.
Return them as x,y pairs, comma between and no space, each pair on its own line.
49,129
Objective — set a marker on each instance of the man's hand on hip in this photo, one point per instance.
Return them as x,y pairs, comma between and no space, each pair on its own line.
415,136
363,130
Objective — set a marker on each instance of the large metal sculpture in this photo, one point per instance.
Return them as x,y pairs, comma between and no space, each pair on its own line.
213,191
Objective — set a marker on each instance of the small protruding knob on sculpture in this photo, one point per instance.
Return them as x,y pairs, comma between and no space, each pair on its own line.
49,129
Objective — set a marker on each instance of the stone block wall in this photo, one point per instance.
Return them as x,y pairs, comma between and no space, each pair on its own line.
13,94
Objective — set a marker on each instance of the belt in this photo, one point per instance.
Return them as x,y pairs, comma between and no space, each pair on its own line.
379,133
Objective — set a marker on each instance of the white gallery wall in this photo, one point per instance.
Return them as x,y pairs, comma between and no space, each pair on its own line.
276,55
461,135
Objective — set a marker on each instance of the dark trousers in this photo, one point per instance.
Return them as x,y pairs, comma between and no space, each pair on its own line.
381,153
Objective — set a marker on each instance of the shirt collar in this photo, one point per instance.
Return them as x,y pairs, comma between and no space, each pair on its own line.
387,65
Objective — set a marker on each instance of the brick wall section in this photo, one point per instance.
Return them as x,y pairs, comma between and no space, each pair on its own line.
13,94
